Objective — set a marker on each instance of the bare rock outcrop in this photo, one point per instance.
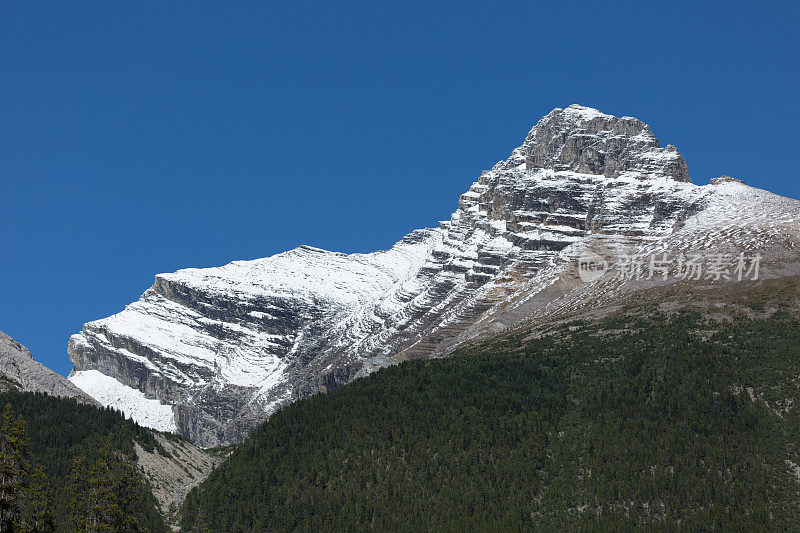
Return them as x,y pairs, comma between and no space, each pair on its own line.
22,372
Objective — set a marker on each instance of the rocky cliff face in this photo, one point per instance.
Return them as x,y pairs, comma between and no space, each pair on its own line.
216,350
18,370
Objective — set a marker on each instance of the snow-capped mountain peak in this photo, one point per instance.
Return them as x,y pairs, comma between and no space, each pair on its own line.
224,347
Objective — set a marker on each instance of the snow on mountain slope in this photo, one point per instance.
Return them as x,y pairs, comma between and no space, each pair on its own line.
111,393
226,346
736,219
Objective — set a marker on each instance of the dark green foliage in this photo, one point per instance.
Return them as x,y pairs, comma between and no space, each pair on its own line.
635,422
14,469
103,494
99,442
25,499
37,506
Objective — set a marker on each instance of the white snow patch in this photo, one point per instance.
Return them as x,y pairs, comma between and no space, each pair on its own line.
584,113
111,393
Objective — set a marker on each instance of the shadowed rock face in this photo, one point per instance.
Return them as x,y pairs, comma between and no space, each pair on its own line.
226,346
23,373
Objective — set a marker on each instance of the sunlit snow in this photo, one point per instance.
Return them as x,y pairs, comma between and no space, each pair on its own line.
111,393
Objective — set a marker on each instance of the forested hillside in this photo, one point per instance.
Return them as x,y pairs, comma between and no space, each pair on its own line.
656,417
66,466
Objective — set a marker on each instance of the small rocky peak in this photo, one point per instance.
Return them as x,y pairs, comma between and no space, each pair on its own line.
725,179
585,140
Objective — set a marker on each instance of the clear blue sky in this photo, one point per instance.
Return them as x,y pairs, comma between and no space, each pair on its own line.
144,137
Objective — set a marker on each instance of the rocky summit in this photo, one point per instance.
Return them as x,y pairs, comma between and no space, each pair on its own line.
210,353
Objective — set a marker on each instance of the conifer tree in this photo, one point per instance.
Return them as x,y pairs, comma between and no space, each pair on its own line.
37,512
103,496
60,431
13,468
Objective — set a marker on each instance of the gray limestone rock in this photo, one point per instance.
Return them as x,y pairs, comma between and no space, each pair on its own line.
18,366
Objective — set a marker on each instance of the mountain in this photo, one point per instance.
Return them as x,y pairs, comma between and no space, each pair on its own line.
211,353
676,412
19,371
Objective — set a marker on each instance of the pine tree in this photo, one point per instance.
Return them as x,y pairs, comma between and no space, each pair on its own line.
13,468
103,495
78,494
61,430
37,512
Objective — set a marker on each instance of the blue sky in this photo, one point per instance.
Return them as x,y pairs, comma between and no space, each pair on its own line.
144,137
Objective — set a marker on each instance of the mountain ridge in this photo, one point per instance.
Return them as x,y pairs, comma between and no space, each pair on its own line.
224,347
